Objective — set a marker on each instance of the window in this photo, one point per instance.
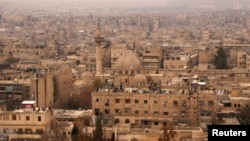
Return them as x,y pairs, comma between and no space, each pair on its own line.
127,110
13,117
201,102
97,100
155,123
127,101
117,100
175,103
145,101
97,111
183,113
136,101
210,103
106,111
145,112
205,113
39,131
156,112
27,118
117,110
28,131
184,103
174,114
117,120
20,131
155,102
165,113
136,112
39,118
165,103
126,120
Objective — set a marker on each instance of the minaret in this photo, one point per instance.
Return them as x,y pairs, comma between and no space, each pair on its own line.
98,41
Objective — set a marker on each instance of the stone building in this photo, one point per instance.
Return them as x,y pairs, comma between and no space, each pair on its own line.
152,58
180,61
243,60
42,90
14,92
151,110
206,55
28,122
62,85
39,88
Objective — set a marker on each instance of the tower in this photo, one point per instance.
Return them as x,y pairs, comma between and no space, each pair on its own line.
98,40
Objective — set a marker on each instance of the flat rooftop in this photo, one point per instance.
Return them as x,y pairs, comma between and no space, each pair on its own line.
62,113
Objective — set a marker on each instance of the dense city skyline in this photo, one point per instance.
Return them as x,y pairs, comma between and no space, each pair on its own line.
123,70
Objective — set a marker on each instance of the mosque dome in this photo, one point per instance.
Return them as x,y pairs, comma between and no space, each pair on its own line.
87,75
128,62
140,78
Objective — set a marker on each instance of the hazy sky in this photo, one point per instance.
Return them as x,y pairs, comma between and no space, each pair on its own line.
129,3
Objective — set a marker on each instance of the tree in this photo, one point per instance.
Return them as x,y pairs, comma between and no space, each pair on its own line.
81,100
97,84
80,122
244,116
168,133
74,132
12,60
98,129
84,137
55,133
220,59
72,104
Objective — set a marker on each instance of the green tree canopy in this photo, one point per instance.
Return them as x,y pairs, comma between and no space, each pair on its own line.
74,132
98,129
244,116
12,60
97,84
220,59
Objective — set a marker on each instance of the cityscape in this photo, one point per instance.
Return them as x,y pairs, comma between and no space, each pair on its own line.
115,70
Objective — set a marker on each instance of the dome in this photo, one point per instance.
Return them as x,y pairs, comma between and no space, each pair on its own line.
140,78
87,75
128,62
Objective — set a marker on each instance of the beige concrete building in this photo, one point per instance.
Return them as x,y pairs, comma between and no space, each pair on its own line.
42,90
22,51
152,58
151,110
206,55
243,60
39,88
63,85
29,122
13,92
180,61
206,35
